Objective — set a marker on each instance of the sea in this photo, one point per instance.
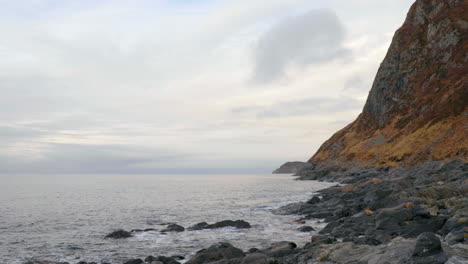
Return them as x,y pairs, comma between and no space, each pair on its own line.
66,217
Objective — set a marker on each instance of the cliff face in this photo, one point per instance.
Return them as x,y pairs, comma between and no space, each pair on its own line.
417,107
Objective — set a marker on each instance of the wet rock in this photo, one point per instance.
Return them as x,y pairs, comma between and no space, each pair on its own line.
258,258
199,226
321,239
219,251
289,209
162,259
173,228
314,200
280,249
428,250
229,223
44,262
306,229
119,234
134,261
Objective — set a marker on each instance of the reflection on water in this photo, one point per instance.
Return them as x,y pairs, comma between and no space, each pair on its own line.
65,217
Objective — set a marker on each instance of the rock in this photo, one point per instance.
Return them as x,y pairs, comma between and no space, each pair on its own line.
289,209
306,229
229,223
173,228
314,200
162,259
280,249
321,239
428,250
119,234
44,262
457,260
257,258
134,261
454,238
199,226
291,167
219,251
427,244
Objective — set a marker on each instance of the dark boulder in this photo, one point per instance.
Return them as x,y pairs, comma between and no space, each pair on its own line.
119,234
219,251
321,239
134,261
44,262
280,249
314,200
428,250
306,229
162,259
173,228
199,226
229,223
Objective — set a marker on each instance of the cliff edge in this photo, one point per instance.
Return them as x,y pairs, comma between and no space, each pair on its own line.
417,108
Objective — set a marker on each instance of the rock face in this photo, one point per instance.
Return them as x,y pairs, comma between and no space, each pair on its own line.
417,107
291,167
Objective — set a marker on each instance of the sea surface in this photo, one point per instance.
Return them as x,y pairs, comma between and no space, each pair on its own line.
66,217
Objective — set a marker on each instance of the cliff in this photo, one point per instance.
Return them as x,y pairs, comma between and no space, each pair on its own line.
417,108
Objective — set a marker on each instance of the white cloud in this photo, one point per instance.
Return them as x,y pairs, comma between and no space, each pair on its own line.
130,84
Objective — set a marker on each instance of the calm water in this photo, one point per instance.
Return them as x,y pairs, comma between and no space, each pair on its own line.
65,217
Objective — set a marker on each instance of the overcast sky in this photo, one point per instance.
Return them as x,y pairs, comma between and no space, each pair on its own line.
183,86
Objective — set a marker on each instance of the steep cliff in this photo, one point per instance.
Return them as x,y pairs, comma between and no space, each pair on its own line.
417,107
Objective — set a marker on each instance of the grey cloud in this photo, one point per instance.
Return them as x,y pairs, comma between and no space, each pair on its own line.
312,38
307,106
77,158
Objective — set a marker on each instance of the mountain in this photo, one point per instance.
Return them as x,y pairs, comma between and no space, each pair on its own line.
417,108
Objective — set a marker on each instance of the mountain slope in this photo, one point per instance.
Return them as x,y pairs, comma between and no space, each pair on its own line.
417,107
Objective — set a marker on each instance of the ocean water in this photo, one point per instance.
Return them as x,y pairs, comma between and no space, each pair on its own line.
66,217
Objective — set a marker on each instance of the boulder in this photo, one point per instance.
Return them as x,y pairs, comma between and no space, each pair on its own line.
314,200
134,261
119,234
162,259
229,223
428,250
173,228
306,229
198,226
44,262
219,251
280,249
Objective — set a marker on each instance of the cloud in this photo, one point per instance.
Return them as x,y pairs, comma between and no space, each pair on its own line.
160,86
302,107
311,38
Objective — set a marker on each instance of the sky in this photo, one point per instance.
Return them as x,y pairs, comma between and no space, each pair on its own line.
183,86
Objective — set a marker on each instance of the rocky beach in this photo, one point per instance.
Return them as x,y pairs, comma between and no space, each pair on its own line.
401,169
